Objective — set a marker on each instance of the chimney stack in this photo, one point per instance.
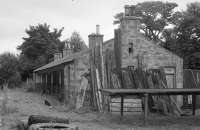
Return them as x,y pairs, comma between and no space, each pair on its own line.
95,39
130,22
57,56
129,10
97,29
68,49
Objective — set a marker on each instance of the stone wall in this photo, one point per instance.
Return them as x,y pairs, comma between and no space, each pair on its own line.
146,53
108,46
75,71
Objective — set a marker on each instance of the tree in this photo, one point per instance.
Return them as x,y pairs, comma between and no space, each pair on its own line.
189,36
155,17
38,48
9,66
77,42
184,38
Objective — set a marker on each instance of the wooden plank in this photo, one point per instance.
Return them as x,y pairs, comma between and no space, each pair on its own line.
98,91
122,105
146,96
167,91
93,86
117,49
193,104
81,93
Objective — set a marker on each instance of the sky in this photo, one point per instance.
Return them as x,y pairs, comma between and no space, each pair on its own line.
74,15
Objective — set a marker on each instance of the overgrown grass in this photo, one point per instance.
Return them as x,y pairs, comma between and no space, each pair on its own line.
4,107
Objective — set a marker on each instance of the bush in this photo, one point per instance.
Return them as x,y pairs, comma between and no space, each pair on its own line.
14,81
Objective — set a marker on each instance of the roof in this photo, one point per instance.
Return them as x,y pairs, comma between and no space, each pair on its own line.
62,60
153,43
108,41
54,63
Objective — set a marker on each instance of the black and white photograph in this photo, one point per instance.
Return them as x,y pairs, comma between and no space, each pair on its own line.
100,65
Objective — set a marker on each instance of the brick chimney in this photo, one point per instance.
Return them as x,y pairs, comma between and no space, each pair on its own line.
68,49
95,39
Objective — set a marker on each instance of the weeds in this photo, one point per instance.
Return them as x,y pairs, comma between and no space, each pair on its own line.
4,107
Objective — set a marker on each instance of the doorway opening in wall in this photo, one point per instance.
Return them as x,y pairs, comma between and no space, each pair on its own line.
170,73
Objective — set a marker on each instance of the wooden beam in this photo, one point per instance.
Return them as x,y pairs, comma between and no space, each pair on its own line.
46,81
193,104
51,82
60,80
146,96
122,106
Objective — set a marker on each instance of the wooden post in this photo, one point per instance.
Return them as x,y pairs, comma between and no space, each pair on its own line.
41,79
51,82
35,79
193,104
46,85
122,106
27,81
60,81
146,96
68,85
63,84
92,72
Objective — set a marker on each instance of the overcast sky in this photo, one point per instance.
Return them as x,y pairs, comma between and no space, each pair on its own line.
73,15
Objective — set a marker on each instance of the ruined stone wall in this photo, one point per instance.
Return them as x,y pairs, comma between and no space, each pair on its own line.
152,56
145,53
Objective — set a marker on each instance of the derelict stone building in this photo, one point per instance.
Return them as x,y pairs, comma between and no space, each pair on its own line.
128,48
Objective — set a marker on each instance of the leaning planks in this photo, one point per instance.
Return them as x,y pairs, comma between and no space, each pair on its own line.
81,93
93,75
96,76
98,93
154,78
164,103
115,81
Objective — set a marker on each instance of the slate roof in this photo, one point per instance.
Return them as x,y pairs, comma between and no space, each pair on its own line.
54,63
79,54
62,60
108,41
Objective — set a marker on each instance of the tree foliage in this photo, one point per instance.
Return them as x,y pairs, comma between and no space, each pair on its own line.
9,66
189,36
184,38
38,48
77,42
155,17
177,31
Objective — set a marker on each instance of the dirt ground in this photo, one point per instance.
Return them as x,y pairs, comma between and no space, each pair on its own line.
22,104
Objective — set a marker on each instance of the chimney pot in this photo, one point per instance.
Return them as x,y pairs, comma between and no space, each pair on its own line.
97,29
127,10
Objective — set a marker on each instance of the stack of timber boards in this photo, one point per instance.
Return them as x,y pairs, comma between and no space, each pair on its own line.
130,77
131,106
154,78
96,78
165,104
